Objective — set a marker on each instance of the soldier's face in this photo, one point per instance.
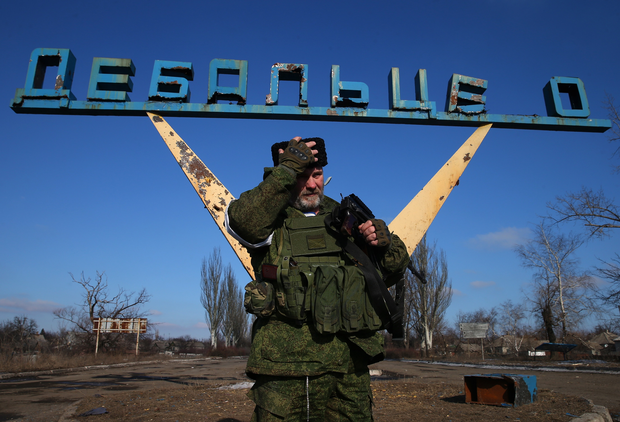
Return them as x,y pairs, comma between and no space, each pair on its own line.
309,190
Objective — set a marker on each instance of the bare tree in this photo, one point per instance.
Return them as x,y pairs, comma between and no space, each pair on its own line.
14,334
485,316
98,302
560,295
235,322
212,293
597,212
611,272
426,304
511,322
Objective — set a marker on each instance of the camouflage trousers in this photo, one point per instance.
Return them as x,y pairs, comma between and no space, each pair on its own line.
327,397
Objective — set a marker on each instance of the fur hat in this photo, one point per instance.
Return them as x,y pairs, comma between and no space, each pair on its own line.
320,147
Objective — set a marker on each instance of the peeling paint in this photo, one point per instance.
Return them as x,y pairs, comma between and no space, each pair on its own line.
181,145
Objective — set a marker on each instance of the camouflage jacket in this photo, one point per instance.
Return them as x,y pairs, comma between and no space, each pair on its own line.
279,347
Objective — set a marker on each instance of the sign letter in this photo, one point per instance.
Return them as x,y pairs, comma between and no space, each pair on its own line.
347,94
40,60
465,95
288,72
421,104
237,93
109,79
170,81
576,95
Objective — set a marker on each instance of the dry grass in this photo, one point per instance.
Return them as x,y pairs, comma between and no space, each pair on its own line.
49,361
393,402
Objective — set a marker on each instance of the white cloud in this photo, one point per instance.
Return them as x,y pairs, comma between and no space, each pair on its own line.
457,292
507,238
481,284
20,305
155,312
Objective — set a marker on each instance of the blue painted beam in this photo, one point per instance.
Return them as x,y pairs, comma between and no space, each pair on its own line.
343,114
169,95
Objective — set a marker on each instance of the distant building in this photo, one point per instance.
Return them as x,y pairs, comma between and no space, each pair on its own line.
164,346
606,342
509,344
506,344
194,346
584,347
37,343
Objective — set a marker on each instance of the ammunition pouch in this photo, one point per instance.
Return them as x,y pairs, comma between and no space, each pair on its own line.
313,281
340,302
258,298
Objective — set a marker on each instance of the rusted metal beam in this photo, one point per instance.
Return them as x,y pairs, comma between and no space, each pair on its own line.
211,191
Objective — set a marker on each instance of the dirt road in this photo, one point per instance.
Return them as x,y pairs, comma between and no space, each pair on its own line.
602,388
46,396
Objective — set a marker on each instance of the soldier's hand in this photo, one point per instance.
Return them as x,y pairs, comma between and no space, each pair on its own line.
298,155
376,233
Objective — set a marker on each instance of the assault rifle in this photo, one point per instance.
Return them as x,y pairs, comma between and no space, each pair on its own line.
352,213
346,218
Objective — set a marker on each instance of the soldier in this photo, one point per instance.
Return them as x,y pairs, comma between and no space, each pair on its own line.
316,331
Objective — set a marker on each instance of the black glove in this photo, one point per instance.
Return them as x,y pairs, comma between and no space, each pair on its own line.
384,238
296,156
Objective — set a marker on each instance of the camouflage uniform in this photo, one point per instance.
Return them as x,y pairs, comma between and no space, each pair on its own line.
284,355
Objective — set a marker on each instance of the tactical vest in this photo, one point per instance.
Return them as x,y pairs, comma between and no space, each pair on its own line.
312,280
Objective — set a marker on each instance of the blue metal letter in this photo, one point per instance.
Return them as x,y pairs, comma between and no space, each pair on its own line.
40,60
576,91
288,72
109,79
347,94
465,95
237,93
170,81
169,95
421,89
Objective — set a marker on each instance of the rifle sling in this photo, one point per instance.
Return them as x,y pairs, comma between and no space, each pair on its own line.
381,299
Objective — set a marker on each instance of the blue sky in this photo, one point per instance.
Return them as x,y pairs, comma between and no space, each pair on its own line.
84,193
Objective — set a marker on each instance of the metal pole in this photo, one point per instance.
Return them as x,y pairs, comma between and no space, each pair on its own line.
482,346
98,330
138,336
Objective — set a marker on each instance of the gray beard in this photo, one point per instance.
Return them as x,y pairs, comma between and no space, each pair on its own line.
307,205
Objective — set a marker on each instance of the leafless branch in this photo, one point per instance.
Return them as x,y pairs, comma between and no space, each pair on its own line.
594,209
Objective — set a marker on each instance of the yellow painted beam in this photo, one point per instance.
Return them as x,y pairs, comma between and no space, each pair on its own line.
211,191
415,219
410,224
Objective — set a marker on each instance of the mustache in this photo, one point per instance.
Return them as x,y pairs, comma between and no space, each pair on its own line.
313,190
